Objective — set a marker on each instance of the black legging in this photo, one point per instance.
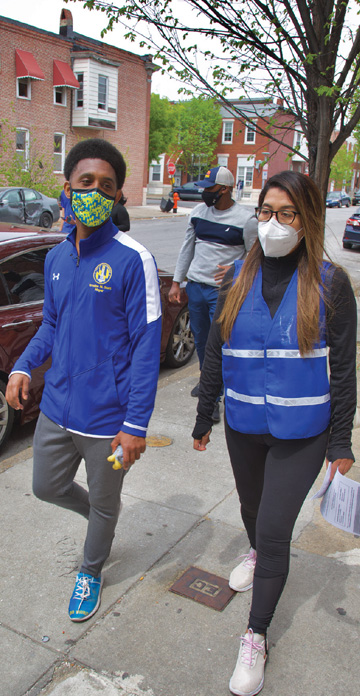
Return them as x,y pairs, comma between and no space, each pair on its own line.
273,478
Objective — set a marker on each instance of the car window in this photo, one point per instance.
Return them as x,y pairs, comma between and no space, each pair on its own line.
23,276
30,195
12,197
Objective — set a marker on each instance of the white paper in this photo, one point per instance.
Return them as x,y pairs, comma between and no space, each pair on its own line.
325,484
340,505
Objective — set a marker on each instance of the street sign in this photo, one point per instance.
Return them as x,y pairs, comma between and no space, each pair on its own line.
171,168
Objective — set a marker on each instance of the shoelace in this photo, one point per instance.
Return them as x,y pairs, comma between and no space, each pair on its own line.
82,589
250,559
250,649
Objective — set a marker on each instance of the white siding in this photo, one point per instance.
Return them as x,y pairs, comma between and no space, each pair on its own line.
92,69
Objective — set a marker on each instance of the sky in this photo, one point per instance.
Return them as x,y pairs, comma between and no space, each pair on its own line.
45,14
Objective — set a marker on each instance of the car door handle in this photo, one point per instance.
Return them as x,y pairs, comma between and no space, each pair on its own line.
14,324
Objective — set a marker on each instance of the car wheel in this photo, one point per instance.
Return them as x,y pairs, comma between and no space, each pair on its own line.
6,415
347,245
339,204
181,343
347,204
45,220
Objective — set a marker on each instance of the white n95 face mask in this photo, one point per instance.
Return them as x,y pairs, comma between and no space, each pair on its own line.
277,239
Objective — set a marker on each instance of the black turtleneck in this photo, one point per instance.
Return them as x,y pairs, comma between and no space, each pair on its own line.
341,338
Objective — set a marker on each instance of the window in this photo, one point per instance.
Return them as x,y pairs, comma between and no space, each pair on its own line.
249,133
60,95
227,135
156,172
24,87
59,152
79,94
223,160
102,92
297,138
30,195
22,147
24,276
244,175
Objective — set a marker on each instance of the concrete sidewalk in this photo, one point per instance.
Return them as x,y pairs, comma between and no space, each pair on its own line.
179,510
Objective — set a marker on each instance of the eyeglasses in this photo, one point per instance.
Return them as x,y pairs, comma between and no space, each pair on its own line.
286,217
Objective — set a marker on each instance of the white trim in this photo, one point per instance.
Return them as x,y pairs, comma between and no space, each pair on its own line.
301,401
235,353
257,400
153,303
284,353
136,427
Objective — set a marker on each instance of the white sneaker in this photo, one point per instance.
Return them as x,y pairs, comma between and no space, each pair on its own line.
241,578
248,676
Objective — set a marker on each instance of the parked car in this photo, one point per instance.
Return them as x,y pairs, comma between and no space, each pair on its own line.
188,192
336,199
22,255
25,205
352,230
356,197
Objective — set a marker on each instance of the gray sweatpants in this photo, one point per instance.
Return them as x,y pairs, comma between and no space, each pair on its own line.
57,456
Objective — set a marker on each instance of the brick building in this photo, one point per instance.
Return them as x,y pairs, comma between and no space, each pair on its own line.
58,89
251,156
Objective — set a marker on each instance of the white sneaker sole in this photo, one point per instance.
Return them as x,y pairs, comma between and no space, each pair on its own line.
240,589
248,693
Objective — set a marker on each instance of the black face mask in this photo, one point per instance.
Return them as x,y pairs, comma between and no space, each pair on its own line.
210,197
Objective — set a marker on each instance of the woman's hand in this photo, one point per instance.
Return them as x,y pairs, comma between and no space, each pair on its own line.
200,445
344,465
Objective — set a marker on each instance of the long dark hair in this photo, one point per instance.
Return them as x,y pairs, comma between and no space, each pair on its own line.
308,201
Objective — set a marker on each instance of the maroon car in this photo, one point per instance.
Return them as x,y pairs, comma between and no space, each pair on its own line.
22,255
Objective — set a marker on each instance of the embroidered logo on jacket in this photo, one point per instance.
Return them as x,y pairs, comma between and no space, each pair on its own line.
102,275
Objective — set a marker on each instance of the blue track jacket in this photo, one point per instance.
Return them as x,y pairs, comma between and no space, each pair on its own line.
102,326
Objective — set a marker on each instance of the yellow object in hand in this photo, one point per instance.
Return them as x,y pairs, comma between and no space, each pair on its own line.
116,457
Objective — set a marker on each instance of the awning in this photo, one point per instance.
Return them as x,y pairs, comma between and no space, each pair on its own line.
64,76
26,65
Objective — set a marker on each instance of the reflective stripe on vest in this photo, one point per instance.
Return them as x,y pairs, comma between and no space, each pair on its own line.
267,381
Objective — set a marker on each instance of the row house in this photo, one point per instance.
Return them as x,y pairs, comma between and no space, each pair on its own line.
244,147
57,89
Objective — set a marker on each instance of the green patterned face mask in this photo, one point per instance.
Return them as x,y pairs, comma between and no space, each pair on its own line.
91,207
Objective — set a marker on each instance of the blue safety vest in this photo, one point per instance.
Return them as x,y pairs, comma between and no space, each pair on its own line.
269,387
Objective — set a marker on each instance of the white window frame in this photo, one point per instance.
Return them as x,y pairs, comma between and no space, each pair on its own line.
250,130
158,169
26,151
81,82
226,132
63,95
105,107
28,83
62,153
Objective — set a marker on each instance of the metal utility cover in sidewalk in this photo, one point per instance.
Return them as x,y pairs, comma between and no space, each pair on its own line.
204,587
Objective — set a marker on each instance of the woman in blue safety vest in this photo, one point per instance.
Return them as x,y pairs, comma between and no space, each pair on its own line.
282,313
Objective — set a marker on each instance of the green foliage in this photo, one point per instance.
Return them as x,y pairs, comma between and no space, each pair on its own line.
164,126
36,172
342,167
200,123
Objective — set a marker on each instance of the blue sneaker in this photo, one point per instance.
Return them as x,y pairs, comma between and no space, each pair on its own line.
85,600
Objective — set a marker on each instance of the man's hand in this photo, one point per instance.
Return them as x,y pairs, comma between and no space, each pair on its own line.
221,273
16,384
344,465
200,445
132,445
174,293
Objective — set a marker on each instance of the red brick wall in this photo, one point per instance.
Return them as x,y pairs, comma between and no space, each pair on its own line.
43,118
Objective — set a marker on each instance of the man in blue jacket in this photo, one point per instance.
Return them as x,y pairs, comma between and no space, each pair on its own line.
102,326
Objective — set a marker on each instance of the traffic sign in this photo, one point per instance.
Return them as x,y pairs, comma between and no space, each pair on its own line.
171,168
